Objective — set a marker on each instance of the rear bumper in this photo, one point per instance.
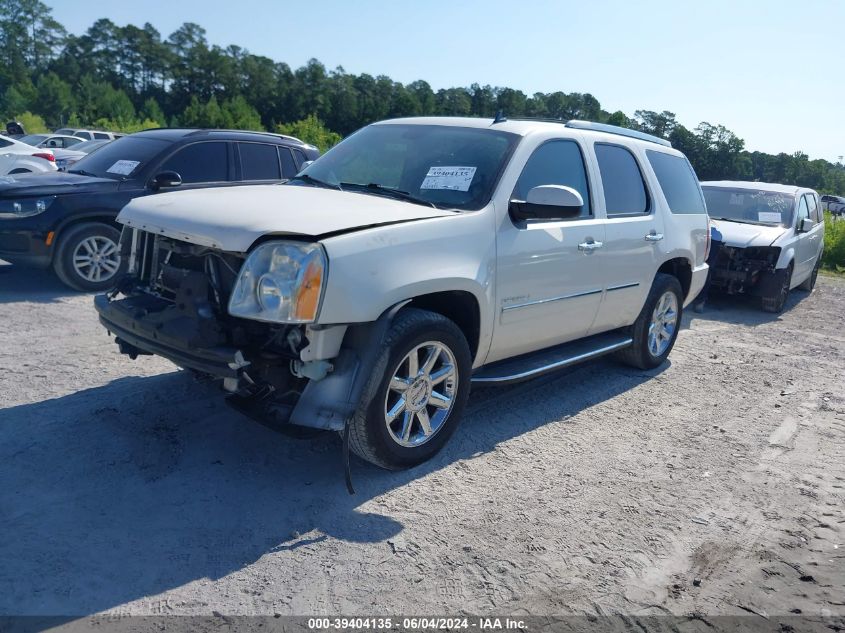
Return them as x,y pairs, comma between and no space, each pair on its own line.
125,320
699,277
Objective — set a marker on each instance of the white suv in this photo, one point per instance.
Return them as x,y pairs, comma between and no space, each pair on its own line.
772,237
417,257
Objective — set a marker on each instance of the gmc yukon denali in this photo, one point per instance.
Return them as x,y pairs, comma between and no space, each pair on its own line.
414,259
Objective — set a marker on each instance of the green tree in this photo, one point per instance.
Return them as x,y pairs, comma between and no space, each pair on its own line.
310,130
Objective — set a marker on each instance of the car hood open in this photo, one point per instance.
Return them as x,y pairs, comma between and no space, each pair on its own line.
745,235
232,218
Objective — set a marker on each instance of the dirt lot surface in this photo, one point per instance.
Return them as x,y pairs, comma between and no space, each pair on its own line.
714,485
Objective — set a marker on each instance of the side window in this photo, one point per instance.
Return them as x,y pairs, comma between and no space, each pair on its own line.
622,181
84,135
678,182
555,163
299,157
289,168
259,161
5,143
200,162
813,208
803,210
71,141
101,135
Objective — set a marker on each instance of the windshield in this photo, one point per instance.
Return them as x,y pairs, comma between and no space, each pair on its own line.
447,166
750,206
33,139
120,159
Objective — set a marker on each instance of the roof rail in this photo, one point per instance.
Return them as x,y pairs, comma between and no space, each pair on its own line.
615,129
196,131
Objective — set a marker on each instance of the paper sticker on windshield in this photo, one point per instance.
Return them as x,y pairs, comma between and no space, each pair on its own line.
768,216
452,178
123,167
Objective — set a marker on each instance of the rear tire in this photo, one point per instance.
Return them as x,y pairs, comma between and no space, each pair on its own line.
656,328
87,257
409,409
776,300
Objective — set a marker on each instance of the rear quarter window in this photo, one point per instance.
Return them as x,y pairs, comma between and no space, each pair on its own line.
678,182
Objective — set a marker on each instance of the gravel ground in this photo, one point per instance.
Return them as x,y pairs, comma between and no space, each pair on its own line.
712,486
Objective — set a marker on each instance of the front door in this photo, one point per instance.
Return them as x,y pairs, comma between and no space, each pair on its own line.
549,273
809,243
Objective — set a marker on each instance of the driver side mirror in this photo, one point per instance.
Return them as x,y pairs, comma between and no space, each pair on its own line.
805,225
165,179
307,163
548,202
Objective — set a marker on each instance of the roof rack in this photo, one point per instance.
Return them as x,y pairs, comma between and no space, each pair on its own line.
599,127
196,131
615,129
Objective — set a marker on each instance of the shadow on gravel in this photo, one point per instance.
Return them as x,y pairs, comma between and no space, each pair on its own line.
19,284
121,492
741,309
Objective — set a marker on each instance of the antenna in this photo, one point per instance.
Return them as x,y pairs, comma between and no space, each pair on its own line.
500,117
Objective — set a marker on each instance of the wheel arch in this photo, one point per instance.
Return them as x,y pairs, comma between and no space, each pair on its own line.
459,306
89,217
681,269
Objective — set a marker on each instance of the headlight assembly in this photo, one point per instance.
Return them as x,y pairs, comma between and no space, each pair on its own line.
280,282
25,207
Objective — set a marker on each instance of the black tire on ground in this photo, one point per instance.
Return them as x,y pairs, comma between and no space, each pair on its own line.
70,242
639,354
369,435
810,282
775,300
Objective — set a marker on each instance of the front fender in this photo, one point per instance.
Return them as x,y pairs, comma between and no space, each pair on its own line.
374,269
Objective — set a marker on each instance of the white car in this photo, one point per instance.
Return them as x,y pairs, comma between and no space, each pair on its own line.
67,157
20,158
87,135
51,141
417,257
772,239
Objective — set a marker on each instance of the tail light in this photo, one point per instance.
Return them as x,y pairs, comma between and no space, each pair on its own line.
45,156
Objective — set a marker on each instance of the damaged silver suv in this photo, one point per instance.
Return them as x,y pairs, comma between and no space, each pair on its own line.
417,257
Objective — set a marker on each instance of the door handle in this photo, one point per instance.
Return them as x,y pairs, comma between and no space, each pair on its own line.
654,237
590,246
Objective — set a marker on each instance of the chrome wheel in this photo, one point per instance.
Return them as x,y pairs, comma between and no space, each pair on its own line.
96,258
421,394
664,322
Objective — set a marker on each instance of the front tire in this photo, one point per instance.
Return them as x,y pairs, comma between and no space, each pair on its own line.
416,395
775,301
87,257
656,328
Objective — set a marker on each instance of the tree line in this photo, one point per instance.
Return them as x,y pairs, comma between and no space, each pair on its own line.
129,78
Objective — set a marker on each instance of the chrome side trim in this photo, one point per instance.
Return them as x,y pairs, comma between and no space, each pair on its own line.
623,286
550,299
572,360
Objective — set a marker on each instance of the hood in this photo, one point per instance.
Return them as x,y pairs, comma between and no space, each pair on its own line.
232,218
52,183
746,235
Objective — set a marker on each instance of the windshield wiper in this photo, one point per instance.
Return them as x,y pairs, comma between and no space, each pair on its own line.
82,172
378,189
316,182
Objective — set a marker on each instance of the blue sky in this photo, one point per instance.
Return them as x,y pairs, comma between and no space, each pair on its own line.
770,71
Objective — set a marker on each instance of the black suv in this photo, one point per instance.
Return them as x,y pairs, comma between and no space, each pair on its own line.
66,220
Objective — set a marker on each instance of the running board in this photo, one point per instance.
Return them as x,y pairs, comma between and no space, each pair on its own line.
541,362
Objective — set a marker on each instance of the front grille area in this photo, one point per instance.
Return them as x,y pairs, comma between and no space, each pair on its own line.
178,271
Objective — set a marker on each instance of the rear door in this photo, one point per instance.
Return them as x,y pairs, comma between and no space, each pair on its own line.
260,162
549,273
633,232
